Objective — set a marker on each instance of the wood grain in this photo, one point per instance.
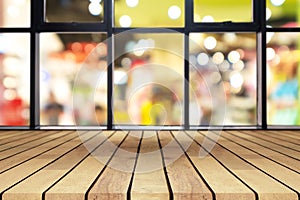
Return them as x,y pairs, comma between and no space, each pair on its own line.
76,165
114,181
216,174
149,165
265,186
185,182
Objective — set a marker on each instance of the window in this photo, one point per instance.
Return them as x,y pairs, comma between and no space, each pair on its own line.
149,79
14,79
67,69
282,63
15,13
183,64
223,75
143,13
220,11
282,13
283,79
74,11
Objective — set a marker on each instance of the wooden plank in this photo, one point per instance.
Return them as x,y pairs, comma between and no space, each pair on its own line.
115,180
185,182
4,133
33,187
281,142
149,179
25,141
12,134
153,184
293,133
277,171
29,145
86,172
286,151
265,186
18,135
215,174
268,153
27,155
24,170
283,135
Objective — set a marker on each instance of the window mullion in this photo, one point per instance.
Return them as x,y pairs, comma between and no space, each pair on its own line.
262,76
109,13
36,16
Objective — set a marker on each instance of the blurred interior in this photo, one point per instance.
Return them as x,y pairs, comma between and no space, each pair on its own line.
73,66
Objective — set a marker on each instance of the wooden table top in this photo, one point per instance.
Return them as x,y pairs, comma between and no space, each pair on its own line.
150,165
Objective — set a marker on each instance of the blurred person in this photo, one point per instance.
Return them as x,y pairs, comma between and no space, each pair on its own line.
201,101
157,110
100,113
53,110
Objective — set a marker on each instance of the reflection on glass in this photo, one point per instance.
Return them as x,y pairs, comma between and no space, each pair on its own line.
220,11
148,79
14,79
282,13
283,77
154,13
222,79
73,79
74,11
14,13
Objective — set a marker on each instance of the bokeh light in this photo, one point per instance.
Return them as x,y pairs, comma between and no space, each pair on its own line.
234,56
125,21
208,18
236,80
174,12
132,3
218,58
277,2
202,59
95,8
210,42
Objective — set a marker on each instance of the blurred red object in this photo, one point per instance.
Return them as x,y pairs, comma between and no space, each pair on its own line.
12,112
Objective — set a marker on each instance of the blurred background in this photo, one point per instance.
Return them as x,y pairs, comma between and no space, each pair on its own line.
225,62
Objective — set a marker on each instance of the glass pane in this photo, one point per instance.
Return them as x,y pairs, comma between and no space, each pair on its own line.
145,13
73,79
223,79
14,79
283,55
148,79
283,13
14,13
220,11
74,11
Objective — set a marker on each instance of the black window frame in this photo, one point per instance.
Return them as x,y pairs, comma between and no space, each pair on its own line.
39,25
